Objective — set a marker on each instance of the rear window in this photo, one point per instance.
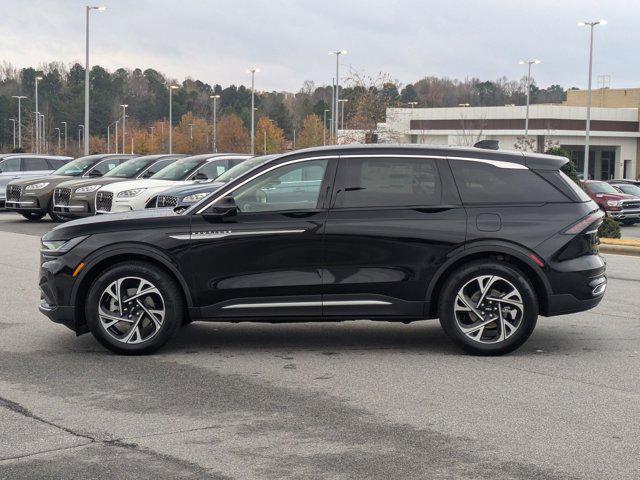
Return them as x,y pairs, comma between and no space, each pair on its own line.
582,195
486,183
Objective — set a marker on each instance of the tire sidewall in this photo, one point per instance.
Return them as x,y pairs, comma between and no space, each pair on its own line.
465,274
174,309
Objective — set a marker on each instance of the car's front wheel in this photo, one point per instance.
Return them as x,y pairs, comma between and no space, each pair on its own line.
134,308
33,216
488,307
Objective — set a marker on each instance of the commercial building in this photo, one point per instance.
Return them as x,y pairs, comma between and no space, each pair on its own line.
614,139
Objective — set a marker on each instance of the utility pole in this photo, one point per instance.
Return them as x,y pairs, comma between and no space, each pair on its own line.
86,80
253,72
65,136
38,78
337,53
215,122
19,97
14,132
124,131
57,129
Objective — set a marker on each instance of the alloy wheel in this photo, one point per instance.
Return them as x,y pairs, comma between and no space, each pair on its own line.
131,310
488,309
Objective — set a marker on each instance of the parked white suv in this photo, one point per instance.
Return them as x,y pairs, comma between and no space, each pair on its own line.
135,194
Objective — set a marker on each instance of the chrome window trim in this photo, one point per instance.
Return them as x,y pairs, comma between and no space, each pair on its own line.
495,163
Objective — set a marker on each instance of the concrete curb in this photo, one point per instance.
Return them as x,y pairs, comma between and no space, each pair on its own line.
619,249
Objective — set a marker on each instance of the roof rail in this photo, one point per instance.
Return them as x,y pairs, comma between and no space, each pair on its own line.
488,144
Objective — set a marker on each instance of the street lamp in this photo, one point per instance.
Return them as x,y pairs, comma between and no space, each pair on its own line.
324,127
253,72
528,63
109,137
86,79
14,132
57,129
124,124
19,97
43,139
591,25
65,136
38,78
337,53
215,122
171,89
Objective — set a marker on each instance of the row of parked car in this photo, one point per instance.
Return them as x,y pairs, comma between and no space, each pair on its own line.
109,183
37,185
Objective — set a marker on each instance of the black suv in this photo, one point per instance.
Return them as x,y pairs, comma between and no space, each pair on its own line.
483,240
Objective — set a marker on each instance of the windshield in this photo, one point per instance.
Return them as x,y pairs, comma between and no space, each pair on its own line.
601,187
129,169
242,168
178,170
630,189
78,167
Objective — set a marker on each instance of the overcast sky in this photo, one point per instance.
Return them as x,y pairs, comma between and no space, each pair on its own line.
217,40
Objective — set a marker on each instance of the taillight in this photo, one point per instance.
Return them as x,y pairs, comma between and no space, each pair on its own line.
586,222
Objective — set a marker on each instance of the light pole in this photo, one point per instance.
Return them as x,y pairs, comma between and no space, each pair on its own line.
116,141
342,101
528,63
591,25
109,137
337,53
171,89
86,79
14,132
80,136
65,136
19,97
38,78
124,124
191,132
43,143
215,122
57,129
324,127
253,72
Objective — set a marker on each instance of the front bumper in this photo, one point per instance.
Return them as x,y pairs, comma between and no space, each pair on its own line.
26,203
55,284
633,214
77,208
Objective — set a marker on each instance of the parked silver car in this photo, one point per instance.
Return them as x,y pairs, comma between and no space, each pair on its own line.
22,165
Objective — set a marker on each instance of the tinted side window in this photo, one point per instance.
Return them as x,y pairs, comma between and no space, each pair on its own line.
156,167
485,183
31,164
388,182
10,165
107,165
213,169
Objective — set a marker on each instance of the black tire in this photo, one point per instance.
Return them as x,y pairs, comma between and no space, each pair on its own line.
53,215
33,216
171,296
462,277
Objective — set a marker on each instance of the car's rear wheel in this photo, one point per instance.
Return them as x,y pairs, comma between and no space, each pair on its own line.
33,216
134,308
488,307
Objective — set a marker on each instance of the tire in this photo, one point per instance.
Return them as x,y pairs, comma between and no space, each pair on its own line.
53,215
120,336
33,216
515,313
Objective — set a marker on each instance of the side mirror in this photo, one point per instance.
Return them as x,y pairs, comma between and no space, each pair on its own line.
225,207
200,176
95,173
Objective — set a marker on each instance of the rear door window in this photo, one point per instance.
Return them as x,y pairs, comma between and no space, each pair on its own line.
30,164
387,182
10,165
485,183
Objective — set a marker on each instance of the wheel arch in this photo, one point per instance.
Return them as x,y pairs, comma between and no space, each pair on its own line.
103,259
506,252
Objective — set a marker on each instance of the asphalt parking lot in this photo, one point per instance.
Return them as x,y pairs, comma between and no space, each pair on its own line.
337,401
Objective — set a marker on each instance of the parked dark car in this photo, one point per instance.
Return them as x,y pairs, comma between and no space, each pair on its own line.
182,197
483,240
77,198
627,188
619,206
33,197
22,165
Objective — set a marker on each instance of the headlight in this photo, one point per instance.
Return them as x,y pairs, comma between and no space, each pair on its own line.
195,197
131,193
88,189
61,246
614,203
37,186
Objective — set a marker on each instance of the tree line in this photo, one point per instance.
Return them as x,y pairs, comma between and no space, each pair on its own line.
283,119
